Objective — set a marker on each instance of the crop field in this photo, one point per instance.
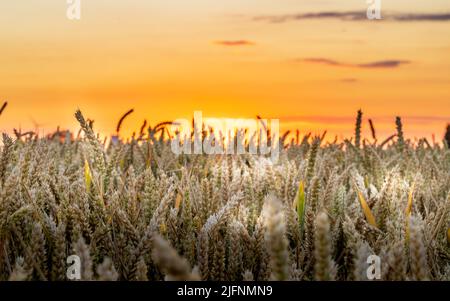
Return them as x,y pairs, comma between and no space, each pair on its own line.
134,211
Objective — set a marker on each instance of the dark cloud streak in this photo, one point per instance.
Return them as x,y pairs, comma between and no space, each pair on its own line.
370,65
321,61
384,64
348,16
353,16
422,17
349,80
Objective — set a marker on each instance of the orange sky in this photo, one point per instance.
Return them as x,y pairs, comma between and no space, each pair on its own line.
167,59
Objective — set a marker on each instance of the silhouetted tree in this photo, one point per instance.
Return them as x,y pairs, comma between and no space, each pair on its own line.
447,135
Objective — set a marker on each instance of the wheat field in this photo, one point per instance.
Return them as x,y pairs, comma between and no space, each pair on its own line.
134,211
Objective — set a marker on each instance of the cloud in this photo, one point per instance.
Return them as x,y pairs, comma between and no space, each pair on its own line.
321,61
369,65
353,16
384,64
350,16
348,80
235,43
422,17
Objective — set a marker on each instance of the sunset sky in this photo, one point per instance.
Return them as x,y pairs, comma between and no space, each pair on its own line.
310,63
